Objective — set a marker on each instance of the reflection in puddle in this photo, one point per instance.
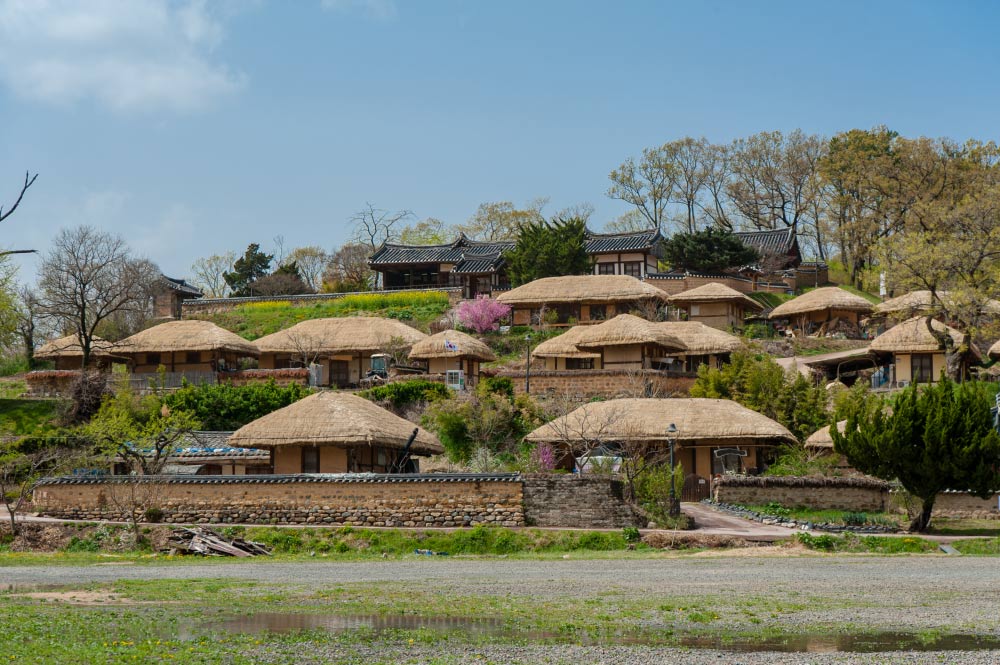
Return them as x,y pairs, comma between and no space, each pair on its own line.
794,643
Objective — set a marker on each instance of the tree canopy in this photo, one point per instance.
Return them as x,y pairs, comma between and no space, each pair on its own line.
930,438
252,266
549,249
708,250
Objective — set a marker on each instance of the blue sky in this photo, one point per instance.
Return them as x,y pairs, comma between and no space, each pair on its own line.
192,128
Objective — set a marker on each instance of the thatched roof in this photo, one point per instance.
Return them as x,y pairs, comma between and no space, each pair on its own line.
922,302
70,347
451,344
912,336
581,289
333,419
352,334
699,339
697,420
626,329
821,438
179,336
715,292
564,346
827,297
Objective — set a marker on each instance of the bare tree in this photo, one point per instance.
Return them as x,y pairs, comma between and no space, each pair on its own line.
312,262
29,180
279,249
349,265
373,226
209,274
90,276
307,347
28,319
648,185
20,473
500,220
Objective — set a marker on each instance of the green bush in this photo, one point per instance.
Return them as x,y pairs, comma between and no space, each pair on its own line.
77,544
822,542
497,385
404,393
225,407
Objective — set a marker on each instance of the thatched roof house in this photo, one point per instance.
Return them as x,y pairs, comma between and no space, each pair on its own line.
916,353
561,352
584,298
701,340
821,438
827,308
341,346
923,302
702,424
67,352
628,342
334,432
185,346
715,305
452,350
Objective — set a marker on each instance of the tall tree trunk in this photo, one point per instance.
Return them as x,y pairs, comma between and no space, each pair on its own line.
954,355
922,521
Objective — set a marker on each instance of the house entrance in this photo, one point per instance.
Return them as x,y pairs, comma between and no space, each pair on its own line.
696,488
340,373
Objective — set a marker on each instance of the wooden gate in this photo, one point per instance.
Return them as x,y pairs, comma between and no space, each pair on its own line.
696,488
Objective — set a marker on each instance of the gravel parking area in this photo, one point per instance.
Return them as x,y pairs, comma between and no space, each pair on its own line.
861,593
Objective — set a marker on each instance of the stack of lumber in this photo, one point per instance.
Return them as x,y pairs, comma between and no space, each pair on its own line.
201,540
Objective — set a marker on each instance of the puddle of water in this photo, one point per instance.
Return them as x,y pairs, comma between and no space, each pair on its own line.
793,643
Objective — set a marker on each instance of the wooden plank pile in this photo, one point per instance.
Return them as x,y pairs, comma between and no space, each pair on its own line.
205,541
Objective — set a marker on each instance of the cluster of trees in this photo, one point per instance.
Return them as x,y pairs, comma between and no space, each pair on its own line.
923,211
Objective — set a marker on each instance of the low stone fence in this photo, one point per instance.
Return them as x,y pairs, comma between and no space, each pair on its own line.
587,383
852,494
391,500
859,494
50,382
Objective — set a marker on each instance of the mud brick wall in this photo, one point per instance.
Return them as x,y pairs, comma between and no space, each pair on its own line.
563,500
336,500
823,493
964,505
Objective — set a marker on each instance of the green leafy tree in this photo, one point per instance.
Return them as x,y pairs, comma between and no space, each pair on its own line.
934,438
709,250
225,407
252,266
759,383
549,249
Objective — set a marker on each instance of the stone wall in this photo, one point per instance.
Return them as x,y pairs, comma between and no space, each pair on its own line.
411,500
849,494
853,494
564,500
587,383
439,500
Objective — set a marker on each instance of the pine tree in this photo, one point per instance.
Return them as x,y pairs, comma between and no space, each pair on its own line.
934,438
253,265
710,250
549,249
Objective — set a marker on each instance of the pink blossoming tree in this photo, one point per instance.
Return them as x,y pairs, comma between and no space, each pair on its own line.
482,314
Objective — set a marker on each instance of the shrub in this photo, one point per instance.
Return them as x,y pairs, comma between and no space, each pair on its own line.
154,515
225,407
497,385
823,542
404,393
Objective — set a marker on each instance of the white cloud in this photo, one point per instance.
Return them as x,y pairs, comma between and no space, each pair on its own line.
382,10
131,55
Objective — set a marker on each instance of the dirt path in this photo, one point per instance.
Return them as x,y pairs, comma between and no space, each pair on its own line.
715,523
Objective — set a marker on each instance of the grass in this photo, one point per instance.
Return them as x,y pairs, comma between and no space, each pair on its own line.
27,416
256,319
872,544
950,526
827,516
771,300
12,389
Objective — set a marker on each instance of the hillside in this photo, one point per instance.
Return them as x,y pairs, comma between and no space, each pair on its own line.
256,319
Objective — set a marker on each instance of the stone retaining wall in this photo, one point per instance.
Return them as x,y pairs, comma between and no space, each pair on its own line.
564,500
603,383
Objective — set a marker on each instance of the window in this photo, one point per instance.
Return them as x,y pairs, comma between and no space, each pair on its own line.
310,459
152,358
193,357
579,363
598,312
633,268
922,368
605,268
695,310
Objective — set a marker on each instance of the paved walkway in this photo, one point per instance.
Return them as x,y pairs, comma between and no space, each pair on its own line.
712,522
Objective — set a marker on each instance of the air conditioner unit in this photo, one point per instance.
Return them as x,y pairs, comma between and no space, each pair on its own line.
455,379
902,384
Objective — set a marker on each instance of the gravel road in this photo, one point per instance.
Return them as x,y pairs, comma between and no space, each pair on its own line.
948,594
